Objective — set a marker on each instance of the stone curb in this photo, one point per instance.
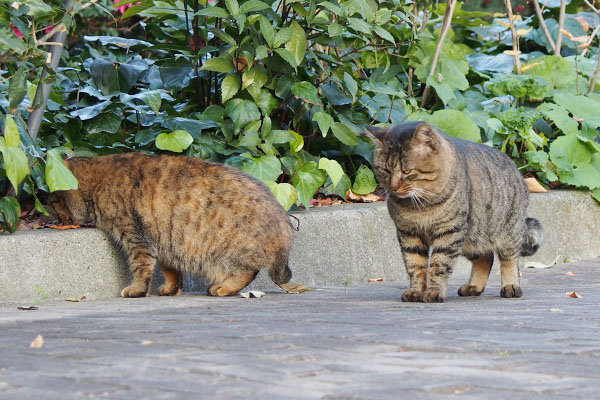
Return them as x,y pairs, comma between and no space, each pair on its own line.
336,245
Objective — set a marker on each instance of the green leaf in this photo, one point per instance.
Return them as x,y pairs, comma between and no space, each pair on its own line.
335,29
581,107
351,85
333,169
218,64
558,73
266,102
15,162
10,210
175,141
457,124
153,100
17,87
261,52
241,112
282,36
11,132
287,56
217,12
307,180
324,120
297,43
344,134
250,138
560,117
359,25
8,40
267,30
265,168
232,6
340,189
596,195
229,87
384,34
305,90
571,149
285,193
253,6
58,176
364,182
105,122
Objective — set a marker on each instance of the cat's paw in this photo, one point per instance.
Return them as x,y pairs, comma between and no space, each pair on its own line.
411,295
133,291
469,290
221,290
432,296
169,290
513,290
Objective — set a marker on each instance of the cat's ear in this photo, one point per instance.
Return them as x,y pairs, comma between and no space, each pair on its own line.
426,134
378,133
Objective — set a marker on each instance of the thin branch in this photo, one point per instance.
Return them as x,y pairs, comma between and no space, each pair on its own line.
586,45
440,46
561,24
594,78
515,39
538,12
590,5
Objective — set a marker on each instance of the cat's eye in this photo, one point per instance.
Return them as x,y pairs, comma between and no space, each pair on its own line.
406,171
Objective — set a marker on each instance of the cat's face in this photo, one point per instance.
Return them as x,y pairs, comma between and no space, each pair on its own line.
407,159
70,207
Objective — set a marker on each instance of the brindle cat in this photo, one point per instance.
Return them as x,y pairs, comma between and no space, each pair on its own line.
185,214
449,197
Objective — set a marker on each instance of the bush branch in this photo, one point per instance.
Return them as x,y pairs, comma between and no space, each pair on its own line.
440,46
561,23
515,39
538,12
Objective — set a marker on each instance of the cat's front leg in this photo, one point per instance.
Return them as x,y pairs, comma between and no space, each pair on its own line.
442,261
415,253
141,261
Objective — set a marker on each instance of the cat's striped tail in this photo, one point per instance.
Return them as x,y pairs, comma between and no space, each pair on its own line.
533,237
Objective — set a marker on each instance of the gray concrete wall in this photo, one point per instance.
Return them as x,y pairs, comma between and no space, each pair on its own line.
335,245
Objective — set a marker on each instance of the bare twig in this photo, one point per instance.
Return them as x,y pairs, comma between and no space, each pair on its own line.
440,46
515,39
594,78
561,23
538,12
586,45
590,5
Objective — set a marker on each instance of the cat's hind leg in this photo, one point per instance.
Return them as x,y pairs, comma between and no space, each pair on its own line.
509,272
173,282
233,284
480,272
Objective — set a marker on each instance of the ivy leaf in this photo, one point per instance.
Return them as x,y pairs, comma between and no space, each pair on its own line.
324,120
333,169
105,122
364,182
241,112
17,87
285,193
307,180
15,162
10,210
265,168
229,87
305,90
456,123
11,132
344,134
218,64
297,43
58,176
175,141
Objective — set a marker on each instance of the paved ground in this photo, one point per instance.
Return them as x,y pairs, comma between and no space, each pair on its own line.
336,343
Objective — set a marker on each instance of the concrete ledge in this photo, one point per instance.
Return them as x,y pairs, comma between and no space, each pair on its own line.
335,245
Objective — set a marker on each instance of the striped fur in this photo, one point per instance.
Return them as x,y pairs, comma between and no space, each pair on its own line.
450,197
184,214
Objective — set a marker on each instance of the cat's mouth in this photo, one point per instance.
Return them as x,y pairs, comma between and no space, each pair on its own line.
402,191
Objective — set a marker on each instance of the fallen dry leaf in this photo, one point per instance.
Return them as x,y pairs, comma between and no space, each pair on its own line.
28,308
584,24
573,295
64,227
534,264
570,273
556,310
294,288
535,186
147,342
376,280
37,343
252,294
75,299
368,198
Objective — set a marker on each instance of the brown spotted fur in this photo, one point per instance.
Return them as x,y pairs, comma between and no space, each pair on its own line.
184,214
450,197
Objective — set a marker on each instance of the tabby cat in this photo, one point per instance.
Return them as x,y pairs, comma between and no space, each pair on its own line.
450,197
184,214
